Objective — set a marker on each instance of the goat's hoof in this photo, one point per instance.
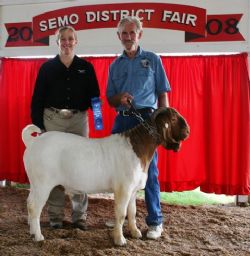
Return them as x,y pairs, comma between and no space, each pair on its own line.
121,241
39,238
136,233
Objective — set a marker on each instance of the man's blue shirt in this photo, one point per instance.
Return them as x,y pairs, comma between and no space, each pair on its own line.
143,77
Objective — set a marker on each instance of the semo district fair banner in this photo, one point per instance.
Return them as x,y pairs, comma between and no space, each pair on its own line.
175,23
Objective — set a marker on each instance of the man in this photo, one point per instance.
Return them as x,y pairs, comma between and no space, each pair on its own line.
138,76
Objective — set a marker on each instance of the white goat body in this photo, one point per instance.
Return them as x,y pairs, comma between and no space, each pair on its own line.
81,164
118,163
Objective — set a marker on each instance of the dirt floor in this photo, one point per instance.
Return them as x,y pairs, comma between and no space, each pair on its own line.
206,230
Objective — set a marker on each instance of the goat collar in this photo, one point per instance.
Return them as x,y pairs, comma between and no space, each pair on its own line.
152,130
149,126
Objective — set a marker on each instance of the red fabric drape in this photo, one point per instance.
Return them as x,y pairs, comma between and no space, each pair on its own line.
212,92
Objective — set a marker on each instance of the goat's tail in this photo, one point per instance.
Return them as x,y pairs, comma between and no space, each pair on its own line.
27,137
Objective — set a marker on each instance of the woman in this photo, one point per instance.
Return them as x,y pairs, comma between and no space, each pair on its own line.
63,91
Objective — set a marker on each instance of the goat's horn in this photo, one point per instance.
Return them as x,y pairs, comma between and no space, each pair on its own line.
158,111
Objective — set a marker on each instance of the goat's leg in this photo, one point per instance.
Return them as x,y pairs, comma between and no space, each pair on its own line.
35,203
121,204
135,232
28,207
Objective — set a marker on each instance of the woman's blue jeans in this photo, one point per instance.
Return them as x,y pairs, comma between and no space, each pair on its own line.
152,189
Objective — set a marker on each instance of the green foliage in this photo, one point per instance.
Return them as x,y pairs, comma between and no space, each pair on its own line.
194,197
19,185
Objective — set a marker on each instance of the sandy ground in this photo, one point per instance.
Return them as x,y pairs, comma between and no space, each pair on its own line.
207,230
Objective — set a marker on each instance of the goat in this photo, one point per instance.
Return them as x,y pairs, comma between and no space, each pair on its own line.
117,163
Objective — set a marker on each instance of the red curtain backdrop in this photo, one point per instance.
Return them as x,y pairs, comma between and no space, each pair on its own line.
211,92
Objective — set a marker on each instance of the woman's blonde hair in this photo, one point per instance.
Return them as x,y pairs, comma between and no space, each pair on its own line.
62,29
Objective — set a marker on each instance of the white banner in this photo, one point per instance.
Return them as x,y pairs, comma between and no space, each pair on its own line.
169,27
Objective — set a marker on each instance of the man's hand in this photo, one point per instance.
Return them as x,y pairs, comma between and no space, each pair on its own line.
120,99
126,98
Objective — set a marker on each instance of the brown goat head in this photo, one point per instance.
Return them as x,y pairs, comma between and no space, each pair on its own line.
172,127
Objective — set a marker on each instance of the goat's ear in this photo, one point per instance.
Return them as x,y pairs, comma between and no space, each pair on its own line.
165,132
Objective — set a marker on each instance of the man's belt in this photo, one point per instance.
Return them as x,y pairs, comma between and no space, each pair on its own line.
64,113
140,110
